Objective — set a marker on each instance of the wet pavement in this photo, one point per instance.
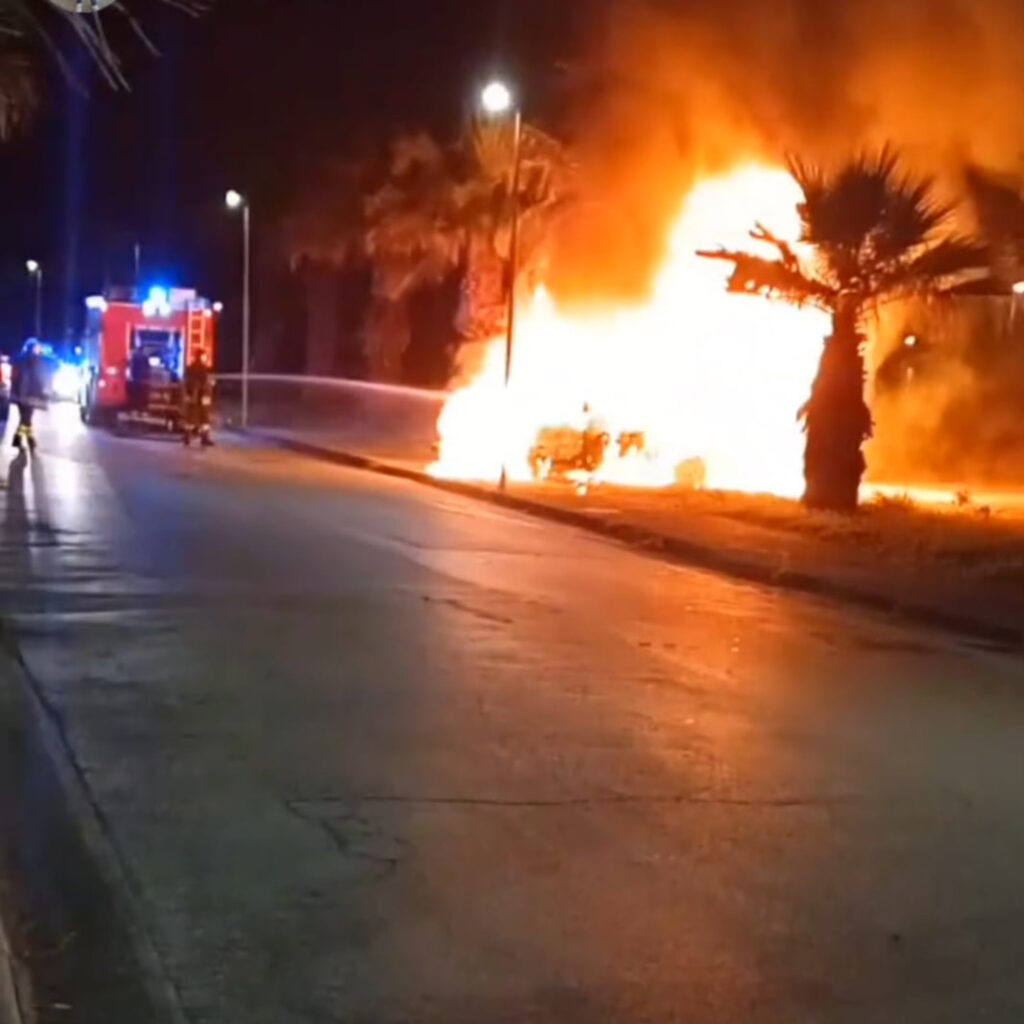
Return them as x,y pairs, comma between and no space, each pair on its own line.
372,752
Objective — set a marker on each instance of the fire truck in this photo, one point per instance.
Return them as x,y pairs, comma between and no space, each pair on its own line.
136,349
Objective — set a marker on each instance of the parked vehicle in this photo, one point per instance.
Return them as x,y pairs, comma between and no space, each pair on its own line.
136,351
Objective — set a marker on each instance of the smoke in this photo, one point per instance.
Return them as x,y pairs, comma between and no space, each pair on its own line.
672,89
947,408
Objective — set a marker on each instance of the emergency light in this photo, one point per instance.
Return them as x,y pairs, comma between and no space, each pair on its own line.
158,303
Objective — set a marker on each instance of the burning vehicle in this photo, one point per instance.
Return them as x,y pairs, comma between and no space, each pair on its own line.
561,452
565,453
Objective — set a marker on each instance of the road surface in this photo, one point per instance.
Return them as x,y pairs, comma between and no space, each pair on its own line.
371,752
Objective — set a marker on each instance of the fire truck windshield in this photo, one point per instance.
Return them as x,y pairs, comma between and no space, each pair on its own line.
160,348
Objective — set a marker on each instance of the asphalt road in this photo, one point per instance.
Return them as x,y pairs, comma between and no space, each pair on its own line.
374,753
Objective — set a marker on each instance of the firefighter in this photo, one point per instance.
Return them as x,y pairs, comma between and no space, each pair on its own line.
138,380
198,398
28,391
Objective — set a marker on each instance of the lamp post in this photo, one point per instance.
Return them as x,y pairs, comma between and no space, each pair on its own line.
236,201
498,100
35,269
1016,291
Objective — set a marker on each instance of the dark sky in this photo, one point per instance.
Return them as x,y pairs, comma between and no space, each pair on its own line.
254,95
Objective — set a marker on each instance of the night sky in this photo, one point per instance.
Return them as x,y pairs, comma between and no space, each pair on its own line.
255,95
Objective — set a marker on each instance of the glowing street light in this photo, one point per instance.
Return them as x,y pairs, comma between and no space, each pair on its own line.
35,269
1018,288
235,201
498,100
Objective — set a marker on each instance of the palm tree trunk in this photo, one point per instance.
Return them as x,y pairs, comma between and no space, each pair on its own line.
387,338
322,332
836,419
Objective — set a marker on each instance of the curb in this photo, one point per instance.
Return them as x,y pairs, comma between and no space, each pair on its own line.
89,822
678,550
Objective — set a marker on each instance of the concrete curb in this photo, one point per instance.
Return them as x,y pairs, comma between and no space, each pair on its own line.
679,550
93,829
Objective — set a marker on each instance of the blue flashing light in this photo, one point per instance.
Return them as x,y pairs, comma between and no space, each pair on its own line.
158,303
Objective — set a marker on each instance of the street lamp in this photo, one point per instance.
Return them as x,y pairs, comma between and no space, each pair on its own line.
1016,291
498,100
235,201
35,269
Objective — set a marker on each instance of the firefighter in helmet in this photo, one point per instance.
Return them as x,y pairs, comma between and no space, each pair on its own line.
197,389
28,391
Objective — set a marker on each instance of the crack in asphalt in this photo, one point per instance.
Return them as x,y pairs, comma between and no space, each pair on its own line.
355,846
462,606
611,799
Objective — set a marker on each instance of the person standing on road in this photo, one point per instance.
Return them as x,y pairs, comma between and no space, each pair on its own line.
198,400
138,380
28,392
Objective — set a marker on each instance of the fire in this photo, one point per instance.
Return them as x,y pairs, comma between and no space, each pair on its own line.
694,385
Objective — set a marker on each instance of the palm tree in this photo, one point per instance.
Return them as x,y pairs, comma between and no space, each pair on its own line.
431,211
447,206
997,201
869,233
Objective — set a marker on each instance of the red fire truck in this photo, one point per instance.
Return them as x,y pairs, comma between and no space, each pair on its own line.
136,351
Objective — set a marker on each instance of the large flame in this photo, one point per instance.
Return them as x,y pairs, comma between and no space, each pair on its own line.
696,376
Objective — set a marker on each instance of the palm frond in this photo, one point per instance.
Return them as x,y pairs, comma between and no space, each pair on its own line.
874,232
841,208
775,279
867,213
946,266
997,201
912,216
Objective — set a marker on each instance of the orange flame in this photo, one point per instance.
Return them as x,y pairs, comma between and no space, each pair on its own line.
698,373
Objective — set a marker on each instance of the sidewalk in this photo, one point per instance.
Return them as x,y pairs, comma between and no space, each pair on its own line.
10,1007
12,976
958,569
76,957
